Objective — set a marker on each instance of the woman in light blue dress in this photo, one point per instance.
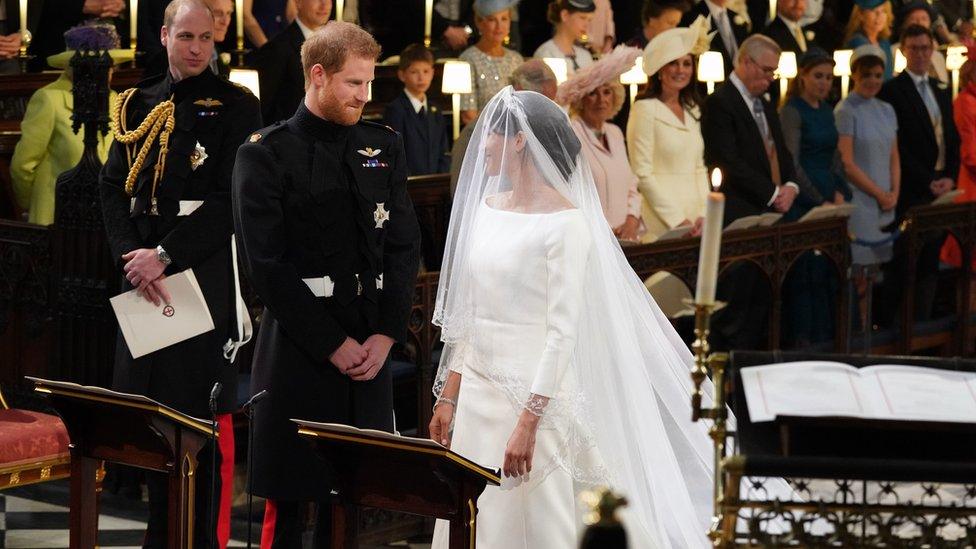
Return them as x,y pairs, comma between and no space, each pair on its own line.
868,147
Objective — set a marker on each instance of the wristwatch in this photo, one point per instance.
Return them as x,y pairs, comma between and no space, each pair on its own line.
162,256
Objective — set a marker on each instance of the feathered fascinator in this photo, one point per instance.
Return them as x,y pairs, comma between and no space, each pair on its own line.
675,43
589,78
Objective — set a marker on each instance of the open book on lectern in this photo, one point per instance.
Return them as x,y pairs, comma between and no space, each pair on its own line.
881,392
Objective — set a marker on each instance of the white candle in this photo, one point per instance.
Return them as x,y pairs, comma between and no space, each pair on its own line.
340,9
711,244
133,20
239,20
428,17
23,18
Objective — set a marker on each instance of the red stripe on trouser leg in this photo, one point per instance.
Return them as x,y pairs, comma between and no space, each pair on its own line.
268,528
225,442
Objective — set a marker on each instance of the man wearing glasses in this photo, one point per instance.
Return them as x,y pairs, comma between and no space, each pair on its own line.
743,138
928,148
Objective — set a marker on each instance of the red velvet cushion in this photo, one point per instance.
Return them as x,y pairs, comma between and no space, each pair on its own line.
27,437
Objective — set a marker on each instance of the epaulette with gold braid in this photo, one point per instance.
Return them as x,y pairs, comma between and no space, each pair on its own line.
159,122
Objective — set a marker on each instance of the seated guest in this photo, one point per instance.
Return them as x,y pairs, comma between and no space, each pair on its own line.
928,147
868,148
786,29
265,19
730,28
48,146
870,23
279,62
658,16
595,95
570,19
422,125
964,112
223,14
56,17
532,75
811,137
743,138
600,33
491,62
664,135
10,36
920,13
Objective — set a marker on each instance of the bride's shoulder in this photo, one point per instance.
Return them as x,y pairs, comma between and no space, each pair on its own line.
498,200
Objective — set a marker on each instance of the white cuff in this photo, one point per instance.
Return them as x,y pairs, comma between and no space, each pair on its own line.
773,198
794,185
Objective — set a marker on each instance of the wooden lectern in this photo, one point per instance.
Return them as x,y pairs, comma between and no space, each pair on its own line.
130,430
409,475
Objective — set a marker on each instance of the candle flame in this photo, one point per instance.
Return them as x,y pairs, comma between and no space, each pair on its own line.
716,179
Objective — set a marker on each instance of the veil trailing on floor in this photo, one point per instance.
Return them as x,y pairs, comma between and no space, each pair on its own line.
622,400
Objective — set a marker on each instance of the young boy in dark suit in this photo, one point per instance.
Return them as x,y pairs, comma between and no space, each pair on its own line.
421,124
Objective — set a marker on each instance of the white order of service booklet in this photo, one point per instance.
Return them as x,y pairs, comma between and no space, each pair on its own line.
148,328
888,392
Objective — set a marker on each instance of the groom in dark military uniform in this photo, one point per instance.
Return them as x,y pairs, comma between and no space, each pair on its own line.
167,208
331,245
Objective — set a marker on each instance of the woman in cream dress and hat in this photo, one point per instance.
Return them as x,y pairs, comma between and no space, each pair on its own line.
48,146
664,133
666,147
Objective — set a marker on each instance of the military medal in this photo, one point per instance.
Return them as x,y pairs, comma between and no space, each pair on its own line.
197,157
381,215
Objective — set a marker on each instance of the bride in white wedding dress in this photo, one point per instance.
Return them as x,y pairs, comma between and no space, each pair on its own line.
558,367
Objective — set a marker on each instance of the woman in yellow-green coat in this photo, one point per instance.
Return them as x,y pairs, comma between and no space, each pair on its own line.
48,147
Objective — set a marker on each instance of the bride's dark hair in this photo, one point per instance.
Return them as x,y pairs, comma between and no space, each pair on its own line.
549,124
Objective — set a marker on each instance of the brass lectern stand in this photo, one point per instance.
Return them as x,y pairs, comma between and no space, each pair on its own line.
409,475
130,430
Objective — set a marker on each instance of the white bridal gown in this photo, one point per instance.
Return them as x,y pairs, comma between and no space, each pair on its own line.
528,271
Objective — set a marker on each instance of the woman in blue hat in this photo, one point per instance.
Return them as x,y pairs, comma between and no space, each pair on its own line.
491,62
870,23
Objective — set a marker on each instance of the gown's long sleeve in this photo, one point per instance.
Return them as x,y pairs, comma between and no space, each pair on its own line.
568,247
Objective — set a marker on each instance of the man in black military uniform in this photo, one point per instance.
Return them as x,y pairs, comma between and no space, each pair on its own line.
331,246
170,210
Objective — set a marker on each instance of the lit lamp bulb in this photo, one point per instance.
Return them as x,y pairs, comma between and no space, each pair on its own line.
634,77
559,67
711,69
842,68
786,70
955,57
247,78
457,80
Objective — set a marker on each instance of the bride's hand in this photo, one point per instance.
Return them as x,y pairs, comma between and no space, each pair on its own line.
521,446
440,424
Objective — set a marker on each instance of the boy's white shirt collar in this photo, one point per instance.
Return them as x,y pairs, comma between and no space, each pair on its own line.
417,103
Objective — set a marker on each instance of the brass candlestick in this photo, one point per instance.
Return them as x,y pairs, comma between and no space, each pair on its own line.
25,41
706,361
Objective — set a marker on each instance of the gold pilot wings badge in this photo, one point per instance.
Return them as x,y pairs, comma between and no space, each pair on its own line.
369,152
208,103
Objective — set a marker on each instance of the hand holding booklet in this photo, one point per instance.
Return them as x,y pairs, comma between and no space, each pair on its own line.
147,327
881,392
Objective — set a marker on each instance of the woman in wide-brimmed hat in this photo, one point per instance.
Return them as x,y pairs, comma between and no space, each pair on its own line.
664,133
48,146
594,96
